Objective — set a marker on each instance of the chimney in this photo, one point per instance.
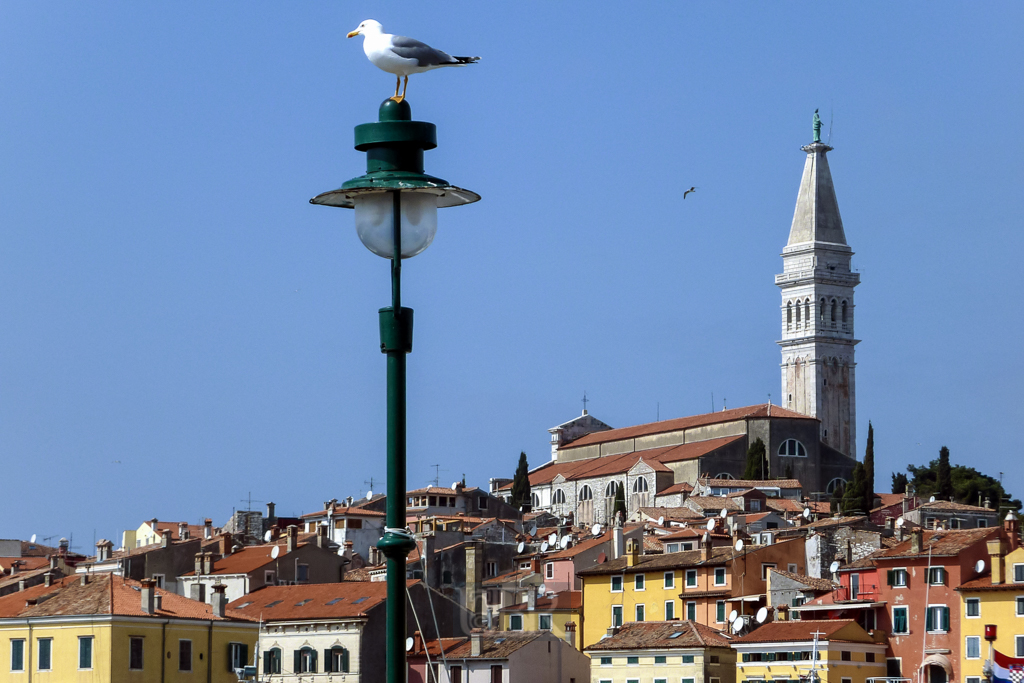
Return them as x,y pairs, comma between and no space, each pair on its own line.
224,544
570,633
705,547
996,551
148,591
349,501
208,562
321,535
103,547
889,522
219,599
63,546
53,561
612,631
48,579
293,537
535,564
1012,528
182,531
632,552
474,576
617,544
197,592
271,512
417,642
475,642
21,585
988,502
165,538
85,580
158,602
531,598
916,538
199,564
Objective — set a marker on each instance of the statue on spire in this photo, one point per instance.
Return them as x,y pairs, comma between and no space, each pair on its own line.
817,126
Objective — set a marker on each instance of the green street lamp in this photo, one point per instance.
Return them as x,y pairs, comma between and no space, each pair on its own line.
396,217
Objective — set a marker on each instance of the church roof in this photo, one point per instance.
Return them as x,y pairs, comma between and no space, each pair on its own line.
816,218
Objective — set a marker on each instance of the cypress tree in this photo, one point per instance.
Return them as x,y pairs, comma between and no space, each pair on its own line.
620,502
520,497
943,476
853,496
756,456
869,470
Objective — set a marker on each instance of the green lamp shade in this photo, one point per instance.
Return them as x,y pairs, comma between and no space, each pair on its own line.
375,222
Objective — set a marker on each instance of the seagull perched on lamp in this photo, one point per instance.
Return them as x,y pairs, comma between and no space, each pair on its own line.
402,56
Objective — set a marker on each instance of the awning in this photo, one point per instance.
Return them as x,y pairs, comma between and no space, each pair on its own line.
836,606
748,598
938,660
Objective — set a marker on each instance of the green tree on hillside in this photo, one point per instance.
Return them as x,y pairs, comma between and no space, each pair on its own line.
756,457
899,482
854,494
967,484
521,484
869,470
943,476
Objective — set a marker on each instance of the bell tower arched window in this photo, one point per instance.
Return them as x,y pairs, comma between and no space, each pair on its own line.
559,497
640,485
789,315
844,312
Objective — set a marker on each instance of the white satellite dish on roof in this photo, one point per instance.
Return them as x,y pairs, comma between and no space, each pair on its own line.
596,530
762,614
710,525
267,536
544,547
732,616
455,485
552,539
806,513
737,625
33,539
661,520
369,495
564,543
520,547
979,566
724,513
274,552
739,545
409,642
834,567
932,499
542,589
900,522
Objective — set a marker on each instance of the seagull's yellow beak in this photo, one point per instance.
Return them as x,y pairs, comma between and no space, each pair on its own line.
353,34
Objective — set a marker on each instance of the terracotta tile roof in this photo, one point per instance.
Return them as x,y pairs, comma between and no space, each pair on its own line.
833,521
984,583
616,464
756,517
681,487
9,580
758,411
24,564
105,594
248,559
754,483
646,563
574,550
440,490
652,544
948,506
803,630
194,530
677,514
820,507
691,533
348,599
29,549
344,511
566,600
517,575
942,543
888,499
740,494
493,644
809,581
785,505
715,503
890,541
652,635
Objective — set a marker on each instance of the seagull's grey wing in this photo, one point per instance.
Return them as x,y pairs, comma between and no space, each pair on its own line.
421,52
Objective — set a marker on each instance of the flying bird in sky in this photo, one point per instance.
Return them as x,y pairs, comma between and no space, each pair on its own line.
692,189
402,56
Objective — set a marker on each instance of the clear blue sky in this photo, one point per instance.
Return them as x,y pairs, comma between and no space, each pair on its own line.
179,327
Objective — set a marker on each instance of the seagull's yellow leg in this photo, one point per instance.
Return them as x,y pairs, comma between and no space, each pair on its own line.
406,87
398,84
397,97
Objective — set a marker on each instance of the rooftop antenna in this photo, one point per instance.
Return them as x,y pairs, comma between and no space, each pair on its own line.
659,412
585,401
724,407
437,474
712,401
249,501
370,483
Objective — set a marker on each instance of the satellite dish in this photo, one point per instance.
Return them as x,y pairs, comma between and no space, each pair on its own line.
979,566
274,552
455,485
542,589
732,616
552,539
595,530
544,547
807,513
341,552
564,543
724,513
762,614
369,495
661,521
408,644
834,567
520,547
739,545
710,525
932,499
33,539
533,530
900,522
737,625
267,536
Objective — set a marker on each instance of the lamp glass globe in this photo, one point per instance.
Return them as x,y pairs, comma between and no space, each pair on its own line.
375,222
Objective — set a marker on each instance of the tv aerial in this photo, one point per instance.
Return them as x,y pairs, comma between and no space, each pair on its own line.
762,614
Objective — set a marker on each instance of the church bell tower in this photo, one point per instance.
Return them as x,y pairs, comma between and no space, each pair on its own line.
817,307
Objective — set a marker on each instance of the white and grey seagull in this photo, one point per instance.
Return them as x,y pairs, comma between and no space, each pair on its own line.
402,56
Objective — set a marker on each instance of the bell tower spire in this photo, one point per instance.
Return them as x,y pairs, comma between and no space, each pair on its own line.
817,306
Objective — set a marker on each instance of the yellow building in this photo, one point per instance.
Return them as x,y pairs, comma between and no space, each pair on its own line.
546,614
995,598
663,651
785,651
100,628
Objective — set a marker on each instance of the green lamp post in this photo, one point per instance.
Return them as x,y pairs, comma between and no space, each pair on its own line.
396,217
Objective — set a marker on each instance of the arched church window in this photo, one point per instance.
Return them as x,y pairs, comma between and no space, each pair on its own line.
834,484
640,485
559,498
807,311
834,318
586,493
724,475
789,315
792,448
821,311
797,312
535,500
844,312
609,491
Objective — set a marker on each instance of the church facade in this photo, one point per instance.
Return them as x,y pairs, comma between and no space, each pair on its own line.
811,437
